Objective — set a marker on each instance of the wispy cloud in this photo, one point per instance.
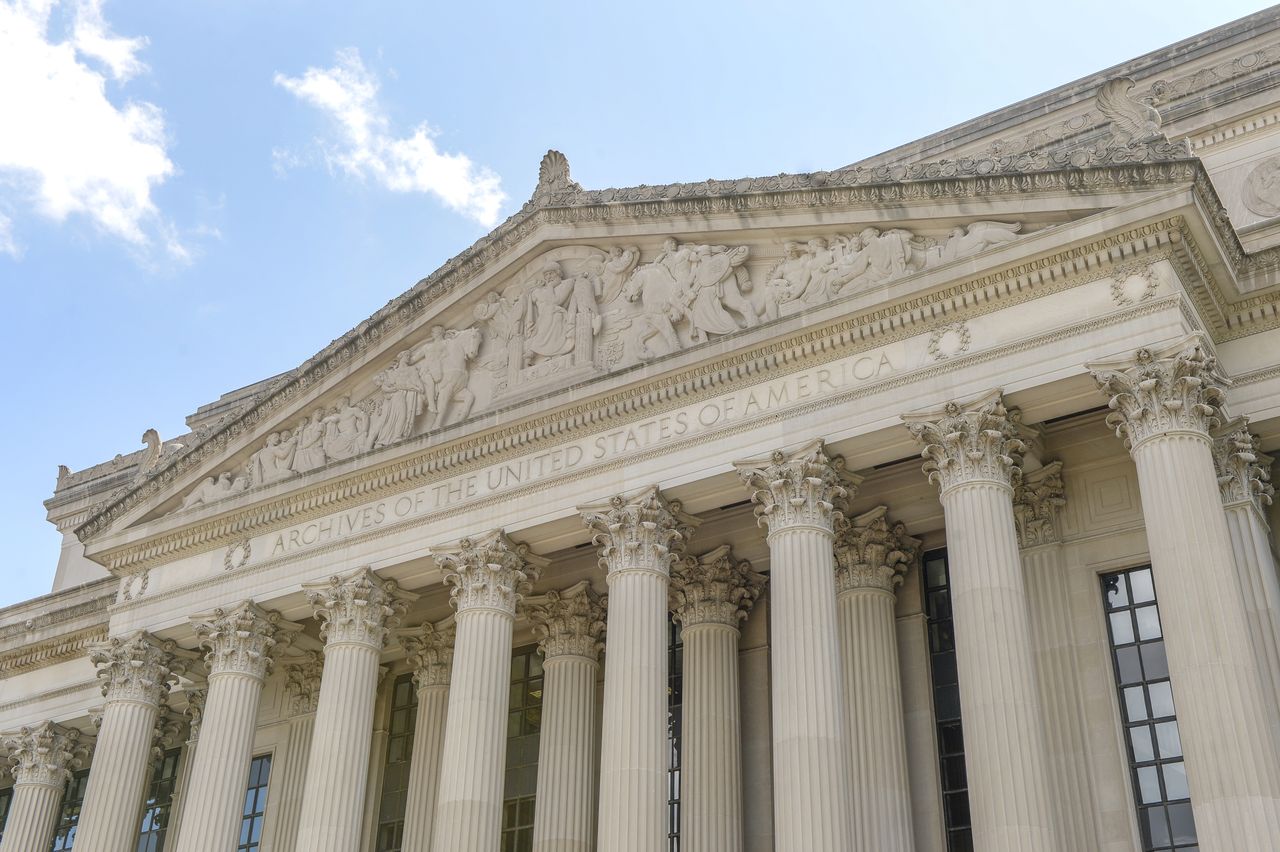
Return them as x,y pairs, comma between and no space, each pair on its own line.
69,148
365,146
7,245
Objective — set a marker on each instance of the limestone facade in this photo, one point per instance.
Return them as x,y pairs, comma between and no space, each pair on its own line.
814,513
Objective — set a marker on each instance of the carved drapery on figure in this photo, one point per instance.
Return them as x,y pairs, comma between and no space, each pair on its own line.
429,649
1038,499
488,571
969,441
640,531
714,588
1178,388
359,607
44,754
1244,471
872,553
802,486
569,622
242,639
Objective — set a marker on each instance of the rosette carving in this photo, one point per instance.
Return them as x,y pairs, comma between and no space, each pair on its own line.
640,531
971,441
1037,503
1244,471
241,640
302,682
139,667
714,588
44,754
872,553
429,649
799,487
489,571
358,607
570,622
1179,388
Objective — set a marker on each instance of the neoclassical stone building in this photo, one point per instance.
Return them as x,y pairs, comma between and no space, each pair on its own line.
612,534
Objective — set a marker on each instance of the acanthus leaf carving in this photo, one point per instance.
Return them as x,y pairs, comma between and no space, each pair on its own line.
242,639
976,440
140,667
429,649
1038,499
802,486
1244,471
872,553
638,531
358,607
488,572
714,588
44,754
569,622
196,698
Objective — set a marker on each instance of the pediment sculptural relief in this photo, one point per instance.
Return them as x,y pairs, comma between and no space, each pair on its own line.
578,312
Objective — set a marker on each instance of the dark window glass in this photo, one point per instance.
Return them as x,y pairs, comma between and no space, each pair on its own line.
157,806
255,804
946,702
524,723
395,776
1146,705
6,800
69,816
675,689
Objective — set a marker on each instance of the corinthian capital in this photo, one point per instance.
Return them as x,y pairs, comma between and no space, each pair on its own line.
714,588
429,649
139,667
1037,502
302,682
358,607
195,710
569,623
640,531
44,754
240,639
1244,472
1178,388
488,571
801,486
975,440
872,553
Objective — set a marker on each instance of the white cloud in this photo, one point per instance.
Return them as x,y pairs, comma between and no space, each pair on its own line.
365,147
68,149
7,244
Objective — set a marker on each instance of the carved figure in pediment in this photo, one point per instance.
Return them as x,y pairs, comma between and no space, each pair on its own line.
715,291
548,330
211,490
402,400
345,431
274,461
977,237
429,358
615,270
309,454
459,349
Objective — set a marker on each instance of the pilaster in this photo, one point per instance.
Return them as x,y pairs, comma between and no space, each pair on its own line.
302,686
429,649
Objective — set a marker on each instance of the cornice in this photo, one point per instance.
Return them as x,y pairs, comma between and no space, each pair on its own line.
71,646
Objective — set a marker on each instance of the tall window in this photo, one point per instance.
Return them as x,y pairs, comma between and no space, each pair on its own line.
675,691
69,816
6,799
156,808
1146,700
395,777
255,804
946,702
524,722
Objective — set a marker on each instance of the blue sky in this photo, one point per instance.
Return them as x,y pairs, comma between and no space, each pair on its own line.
195,196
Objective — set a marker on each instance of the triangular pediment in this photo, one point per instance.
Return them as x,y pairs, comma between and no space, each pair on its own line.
581,285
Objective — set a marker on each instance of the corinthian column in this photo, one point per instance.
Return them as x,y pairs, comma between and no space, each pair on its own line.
137,672
302,685
430,651
357,609
42,758
1037,502
639,536
797,492
872,556
710,595
489,574
570,624
972,452
1244,477
239,642
1164,403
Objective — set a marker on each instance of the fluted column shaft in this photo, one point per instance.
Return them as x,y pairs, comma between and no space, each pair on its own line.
357,609
1260,584
42,758
564,819
136,671
293,779
880,787
424,769
1233,768
710,746
490,575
